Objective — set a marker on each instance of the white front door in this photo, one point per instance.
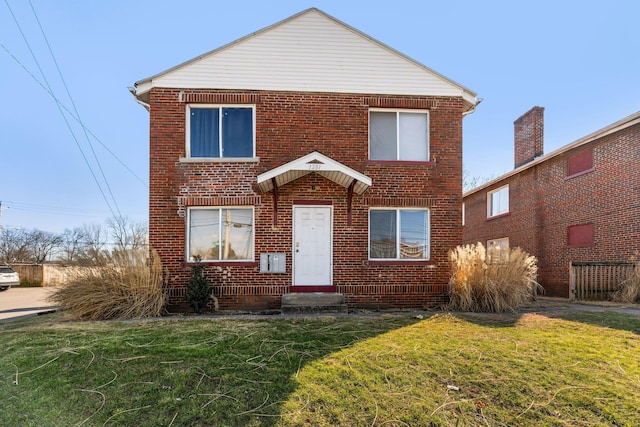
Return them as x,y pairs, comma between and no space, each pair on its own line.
312,254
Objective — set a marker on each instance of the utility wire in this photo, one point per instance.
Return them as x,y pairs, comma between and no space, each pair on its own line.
26,70
60,210
73,104
60,110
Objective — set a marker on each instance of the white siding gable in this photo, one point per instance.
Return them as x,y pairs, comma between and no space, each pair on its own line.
309,52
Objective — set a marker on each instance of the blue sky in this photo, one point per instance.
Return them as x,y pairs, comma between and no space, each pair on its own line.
578,59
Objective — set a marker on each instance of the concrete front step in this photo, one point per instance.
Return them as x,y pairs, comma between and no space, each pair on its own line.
313,302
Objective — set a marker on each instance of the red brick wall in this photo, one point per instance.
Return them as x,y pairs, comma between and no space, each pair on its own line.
544,203
288,126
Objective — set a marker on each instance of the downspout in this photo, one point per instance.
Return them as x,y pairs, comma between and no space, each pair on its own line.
135,95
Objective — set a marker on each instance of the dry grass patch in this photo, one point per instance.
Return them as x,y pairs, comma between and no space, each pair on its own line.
629,291
491,282
130,286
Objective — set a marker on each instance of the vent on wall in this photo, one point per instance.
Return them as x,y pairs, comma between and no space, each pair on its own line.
273,263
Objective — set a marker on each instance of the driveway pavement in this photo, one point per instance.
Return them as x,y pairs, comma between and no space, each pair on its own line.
23,302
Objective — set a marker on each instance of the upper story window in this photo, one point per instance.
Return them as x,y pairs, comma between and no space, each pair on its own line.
220,131
399,135
399,234
498,201
580,163
220,234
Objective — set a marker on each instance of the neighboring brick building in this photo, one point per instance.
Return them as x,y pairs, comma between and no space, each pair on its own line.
261,163
580,203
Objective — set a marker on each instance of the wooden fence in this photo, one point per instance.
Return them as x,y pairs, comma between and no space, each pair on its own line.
596,281
45,274
29,273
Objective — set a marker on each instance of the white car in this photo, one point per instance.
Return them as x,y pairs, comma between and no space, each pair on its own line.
8,278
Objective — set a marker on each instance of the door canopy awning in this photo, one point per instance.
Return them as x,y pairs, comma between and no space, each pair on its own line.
318,163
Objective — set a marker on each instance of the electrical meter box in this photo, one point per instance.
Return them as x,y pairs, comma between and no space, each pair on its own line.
273,263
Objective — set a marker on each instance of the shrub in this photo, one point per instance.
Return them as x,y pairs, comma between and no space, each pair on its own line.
504,284
129,286
198,293
629,291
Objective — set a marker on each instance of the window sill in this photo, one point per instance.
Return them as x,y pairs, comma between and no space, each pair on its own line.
224,263
583,245
584,172
401,162
404,262
219,159
502,215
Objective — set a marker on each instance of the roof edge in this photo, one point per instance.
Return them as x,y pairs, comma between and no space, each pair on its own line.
607,130
470,97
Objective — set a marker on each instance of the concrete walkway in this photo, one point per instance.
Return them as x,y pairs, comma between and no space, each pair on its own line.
16,303
557,304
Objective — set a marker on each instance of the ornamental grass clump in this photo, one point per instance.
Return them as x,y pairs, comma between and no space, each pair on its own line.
128,286
491,281
629,291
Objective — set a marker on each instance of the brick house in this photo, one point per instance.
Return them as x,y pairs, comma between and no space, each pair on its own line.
580,203
306,157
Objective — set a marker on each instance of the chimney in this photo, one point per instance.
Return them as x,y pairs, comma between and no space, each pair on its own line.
528,138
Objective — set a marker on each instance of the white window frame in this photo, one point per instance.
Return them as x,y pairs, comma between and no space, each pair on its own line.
463,212
398,235
500,210
219,209
398,111
187,137
498,247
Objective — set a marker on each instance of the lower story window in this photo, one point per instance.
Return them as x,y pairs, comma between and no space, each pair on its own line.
498,250
399,234
220,234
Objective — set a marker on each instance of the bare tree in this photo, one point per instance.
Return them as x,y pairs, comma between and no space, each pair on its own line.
14,246
43,244
72,245
471,182
94,244
127,234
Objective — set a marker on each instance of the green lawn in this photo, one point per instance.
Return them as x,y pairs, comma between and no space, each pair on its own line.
572,369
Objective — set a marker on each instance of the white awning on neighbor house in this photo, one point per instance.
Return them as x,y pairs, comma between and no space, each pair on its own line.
314,163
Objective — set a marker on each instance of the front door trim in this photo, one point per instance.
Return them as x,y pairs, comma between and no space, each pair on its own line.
297,285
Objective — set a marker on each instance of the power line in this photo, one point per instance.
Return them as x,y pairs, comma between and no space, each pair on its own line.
73,104
58,210
59,102
61,111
